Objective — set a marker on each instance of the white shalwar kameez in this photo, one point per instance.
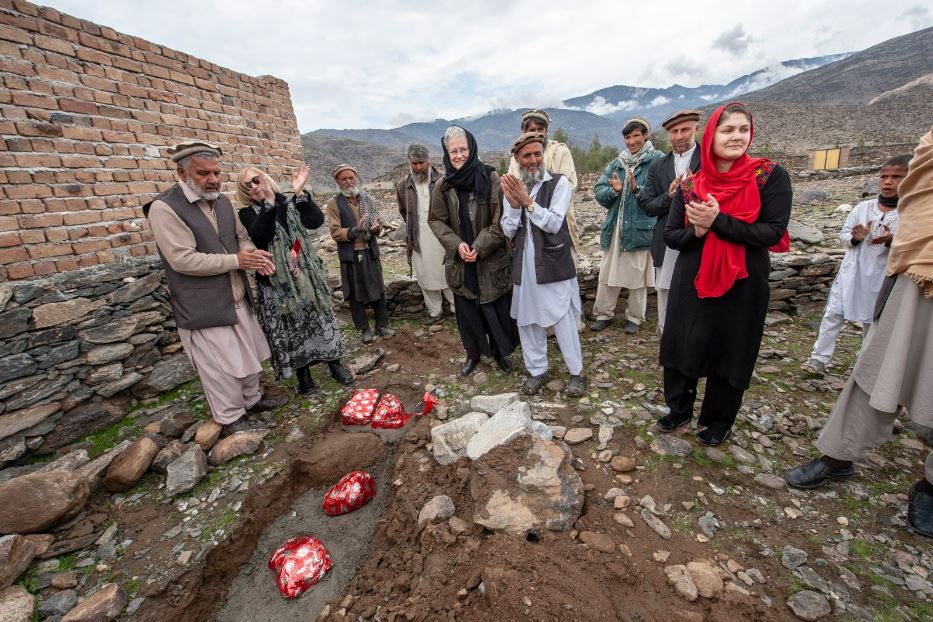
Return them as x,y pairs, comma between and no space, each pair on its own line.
855,289
662,279
537,306
428,262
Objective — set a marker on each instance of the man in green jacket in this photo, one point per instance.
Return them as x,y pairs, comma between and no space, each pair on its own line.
627,231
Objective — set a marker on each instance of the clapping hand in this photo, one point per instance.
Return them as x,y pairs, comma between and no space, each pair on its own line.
885,236
258,260
860,231
515,191
615,182
300,178
702,215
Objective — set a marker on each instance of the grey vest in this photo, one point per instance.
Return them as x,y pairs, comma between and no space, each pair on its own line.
553,261
203,301
347,220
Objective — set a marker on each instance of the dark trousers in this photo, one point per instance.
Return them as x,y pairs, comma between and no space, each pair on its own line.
721,401
358,313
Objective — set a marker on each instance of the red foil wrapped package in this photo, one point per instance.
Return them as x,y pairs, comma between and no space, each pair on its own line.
359,408
299,564
353,491
430,401
390,413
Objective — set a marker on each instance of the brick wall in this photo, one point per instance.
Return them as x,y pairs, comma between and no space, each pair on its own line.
86,114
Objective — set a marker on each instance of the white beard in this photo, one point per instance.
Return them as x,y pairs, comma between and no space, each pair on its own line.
420,178
530,178
350,192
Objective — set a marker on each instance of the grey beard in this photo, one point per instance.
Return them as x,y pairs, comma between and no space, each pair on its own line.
420,178
530,178
207,196
350,192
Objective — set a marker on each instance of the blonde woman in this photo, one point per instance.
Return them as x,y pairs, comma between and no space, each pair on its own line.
294,309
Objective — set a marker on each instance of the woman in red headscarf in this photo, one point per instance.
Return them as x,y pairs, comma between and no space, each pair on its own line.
723,221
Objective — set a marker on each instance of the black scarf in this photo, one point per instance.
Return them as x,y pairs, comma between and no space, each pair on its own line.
471,178
886,202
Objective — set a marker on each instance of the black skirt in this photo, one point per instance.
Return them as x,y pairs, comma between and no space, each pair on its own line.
362,279
486,328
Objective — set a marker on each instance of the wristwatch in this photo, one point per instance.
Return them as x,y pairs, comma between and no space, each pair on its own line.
531,207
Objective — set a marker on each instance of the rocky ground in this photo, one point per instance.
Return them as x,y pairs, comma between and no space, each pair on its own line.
656,527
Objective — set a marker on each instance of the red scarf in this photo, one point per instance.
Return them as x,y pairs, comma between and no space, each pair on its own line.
736,190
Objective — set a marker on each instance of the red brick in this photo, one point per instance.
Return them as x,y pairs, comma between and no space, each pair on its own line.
90,245
81,218
37,161
9,223
56,234
34,221
66,265
30,191
32,236
56,74
87,260
38,129
44,251
120,163
44,268
54,205
55,45
13,255
80,133
18,67
93,56
18,177
10,239
80,161
35,101
43,145
8,33
81,107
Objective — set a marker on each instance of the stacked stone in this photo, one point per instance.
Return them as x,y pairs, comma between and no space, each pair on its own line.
70,342
86,114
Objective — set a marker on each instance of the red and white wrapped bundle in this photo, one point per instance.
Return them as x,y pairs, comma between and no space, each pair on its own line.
390,413
299,564
359,408
430,401
353,491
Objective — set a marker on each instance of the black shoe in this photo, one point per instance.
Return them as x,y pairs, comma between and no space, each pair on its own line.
368,336
920,510
340,373
577,386
816,473
469,366
533,385
385,331
306,384
431,320
267,403
631,328
243,424
711,437
599,325
669,423
504,364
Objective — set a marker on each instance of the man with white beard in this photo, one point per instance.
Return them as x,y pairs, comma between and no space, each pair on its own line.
425,253
354,224
205,252
545,290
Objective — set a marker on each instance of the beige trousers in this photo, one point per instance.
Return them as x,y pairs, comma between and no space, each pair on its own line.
607,296
434,300
855,428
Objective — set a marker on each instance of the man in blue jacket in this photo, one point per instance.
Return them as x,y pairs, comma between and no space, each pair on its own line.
627,231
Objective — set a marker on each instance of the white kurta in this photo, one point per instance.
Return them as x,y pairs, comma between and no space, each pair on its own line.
681,163
532,302
861,274
428,263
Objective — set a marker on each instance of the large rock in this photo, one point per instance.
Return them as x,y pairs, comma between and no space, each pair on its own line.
668,445
809,605
207,434
706,578
575,436
502,427
800,232
108,353
16,365
366,362
16,604
80,421
185,472
438,509
528,486
131,465
20,420
34,502
119,330
680,578
55,313
175,423
237,444
165,376
94,470
58,603
16,553
449,441
14,322
136,289
124,382
167,455
491,404
103,606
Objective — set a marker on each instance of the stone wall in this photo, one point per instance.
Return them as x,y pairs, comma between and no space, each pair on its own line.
86,114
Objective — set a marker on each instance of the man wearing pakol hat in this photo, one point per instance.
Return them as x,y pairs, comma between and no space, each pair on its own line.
545,291
354,224
205,251
627,231
664,177
425,253
557,159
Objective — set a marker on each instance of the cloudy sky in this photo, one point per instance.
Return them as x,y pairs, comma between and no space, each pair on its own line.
380,64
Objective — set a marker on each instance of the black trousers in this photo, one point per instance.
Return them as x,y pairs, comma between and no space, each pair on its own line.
721,401
358,313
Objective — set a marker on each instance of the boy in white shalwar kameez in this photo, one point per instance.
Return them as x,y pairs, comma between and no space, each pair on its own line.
866,235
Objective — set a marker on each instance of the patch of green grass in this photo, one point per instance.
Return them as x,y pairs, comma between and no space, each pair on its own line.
131,587
213,478
681,523
875,579
878,488
921,611
795,584
162,399
148,483
110,436
40,458
67,563
700,459
741,535
852,504
728,461
224,519
886,616
862,550
29,580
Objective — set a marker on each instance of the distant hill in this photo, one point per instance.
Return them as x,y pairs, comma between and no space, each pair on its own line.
324,153
656,104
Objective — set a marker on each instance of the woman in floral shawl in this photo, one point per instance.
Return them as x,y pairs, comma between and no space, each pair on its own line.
294,309
723,221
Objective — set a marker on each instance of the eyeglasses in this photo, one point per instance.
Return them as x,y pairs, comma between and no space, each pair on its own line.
255,181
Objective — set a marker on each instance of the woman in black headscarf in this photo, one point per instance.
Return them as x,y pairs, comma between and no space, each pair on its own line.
466,206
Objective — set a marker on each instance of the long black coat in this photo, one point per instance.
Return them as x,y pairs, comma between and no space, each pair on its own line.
654,199
721,336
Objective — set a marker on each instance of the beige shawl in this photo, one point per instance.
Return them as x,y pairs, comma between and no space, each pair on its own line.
912,248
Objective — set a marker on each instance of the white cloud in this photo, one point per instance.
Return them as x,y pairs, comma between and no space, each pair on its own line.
600,106
660,100
373,64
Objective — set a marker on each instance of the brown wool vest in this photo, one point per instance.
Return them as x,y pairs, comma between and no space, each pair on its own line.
204,301
553,261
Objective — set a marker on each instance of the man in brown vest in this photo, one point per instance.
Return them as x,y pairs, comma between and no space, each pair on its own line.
205,251
545,291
